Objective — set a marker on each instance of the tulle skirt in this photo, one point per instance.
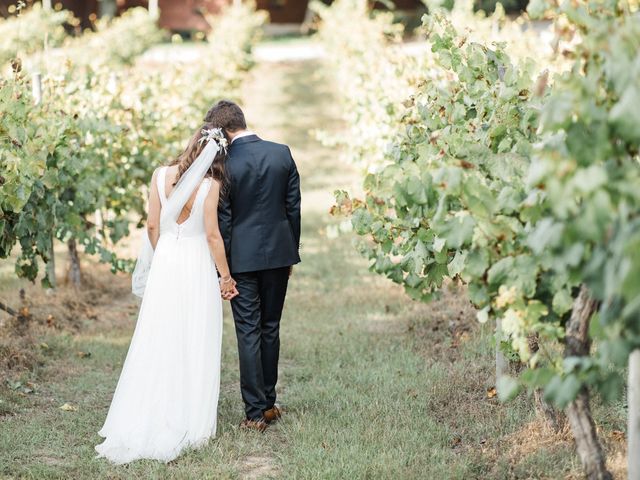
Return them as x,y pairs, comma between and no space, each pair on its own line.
167,395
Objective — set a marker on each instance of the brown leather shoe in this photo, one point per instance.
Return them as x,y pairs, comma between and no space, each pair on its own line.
273,414
257,425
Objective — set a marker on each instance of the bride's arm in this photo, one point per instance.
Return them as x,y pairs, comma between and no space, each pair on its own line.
216,243
153,217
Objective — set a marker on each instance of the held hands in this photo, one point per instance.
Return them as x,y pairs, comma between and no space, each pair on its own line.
228,288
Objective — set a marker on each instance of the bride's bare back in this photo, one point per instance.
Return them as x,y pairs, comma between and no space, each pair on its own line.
170,179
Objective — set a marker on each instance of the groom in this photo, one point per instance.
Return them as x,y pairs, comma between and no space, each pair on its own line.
260,222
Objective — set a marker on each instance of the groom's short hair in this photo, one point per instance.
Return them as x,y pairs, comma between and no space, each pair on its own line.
228,115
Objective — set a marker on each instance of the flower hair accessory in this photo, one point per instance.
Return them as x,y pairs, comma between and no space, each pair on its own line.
215,134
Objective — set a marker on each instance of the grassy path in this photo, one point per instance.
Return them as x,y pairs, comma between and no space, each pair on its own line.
374,385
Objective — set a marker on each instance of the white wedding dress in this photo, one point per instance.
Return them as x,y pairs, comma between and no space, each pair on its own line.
167,396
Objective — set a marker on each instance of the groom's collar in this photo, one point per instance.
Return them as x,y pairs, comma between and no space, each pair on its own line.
251,137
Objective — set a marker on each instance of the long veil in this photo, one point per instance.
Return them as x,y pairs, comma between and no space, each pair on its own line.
180,195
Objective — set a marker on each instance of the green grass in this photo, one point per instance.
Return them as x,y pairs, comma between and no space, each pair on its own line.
362,402
375,386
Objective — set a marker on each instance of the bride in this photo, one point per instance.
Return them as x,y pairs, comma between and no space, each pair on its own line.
167,396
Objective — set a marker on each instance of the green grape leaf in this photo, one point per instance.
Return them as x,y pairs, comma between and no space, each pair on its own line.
457,264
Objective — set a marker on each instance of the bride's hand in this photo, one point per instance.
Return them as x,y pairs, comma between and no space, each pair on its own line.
228,287
231,295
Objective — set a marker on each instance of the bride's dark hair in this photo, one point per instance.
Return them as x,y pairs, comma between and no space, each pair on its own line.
194,148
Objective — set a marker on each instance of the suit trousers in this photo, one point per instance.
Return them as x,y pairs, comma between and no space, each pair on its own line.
256,313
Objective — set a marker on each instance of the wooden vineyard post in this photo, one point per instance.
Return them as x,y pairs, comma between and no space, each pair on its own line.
74,272
502,365
50,269
36,88
154,9
633,430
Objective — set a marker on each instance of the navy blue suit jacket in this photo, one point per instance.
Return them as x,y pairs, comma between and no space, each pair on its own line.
259,216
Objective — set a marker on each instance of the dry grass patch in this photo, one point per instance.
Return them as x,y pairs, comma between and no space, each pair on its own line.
50,318
258,466
442,326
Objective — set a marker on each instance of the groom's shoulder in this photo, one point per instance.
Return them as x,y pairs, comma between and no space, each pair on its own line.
274,146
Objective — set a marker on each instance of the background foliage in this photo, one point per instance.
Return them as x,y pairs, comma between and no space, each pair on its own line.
104,125
516,181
